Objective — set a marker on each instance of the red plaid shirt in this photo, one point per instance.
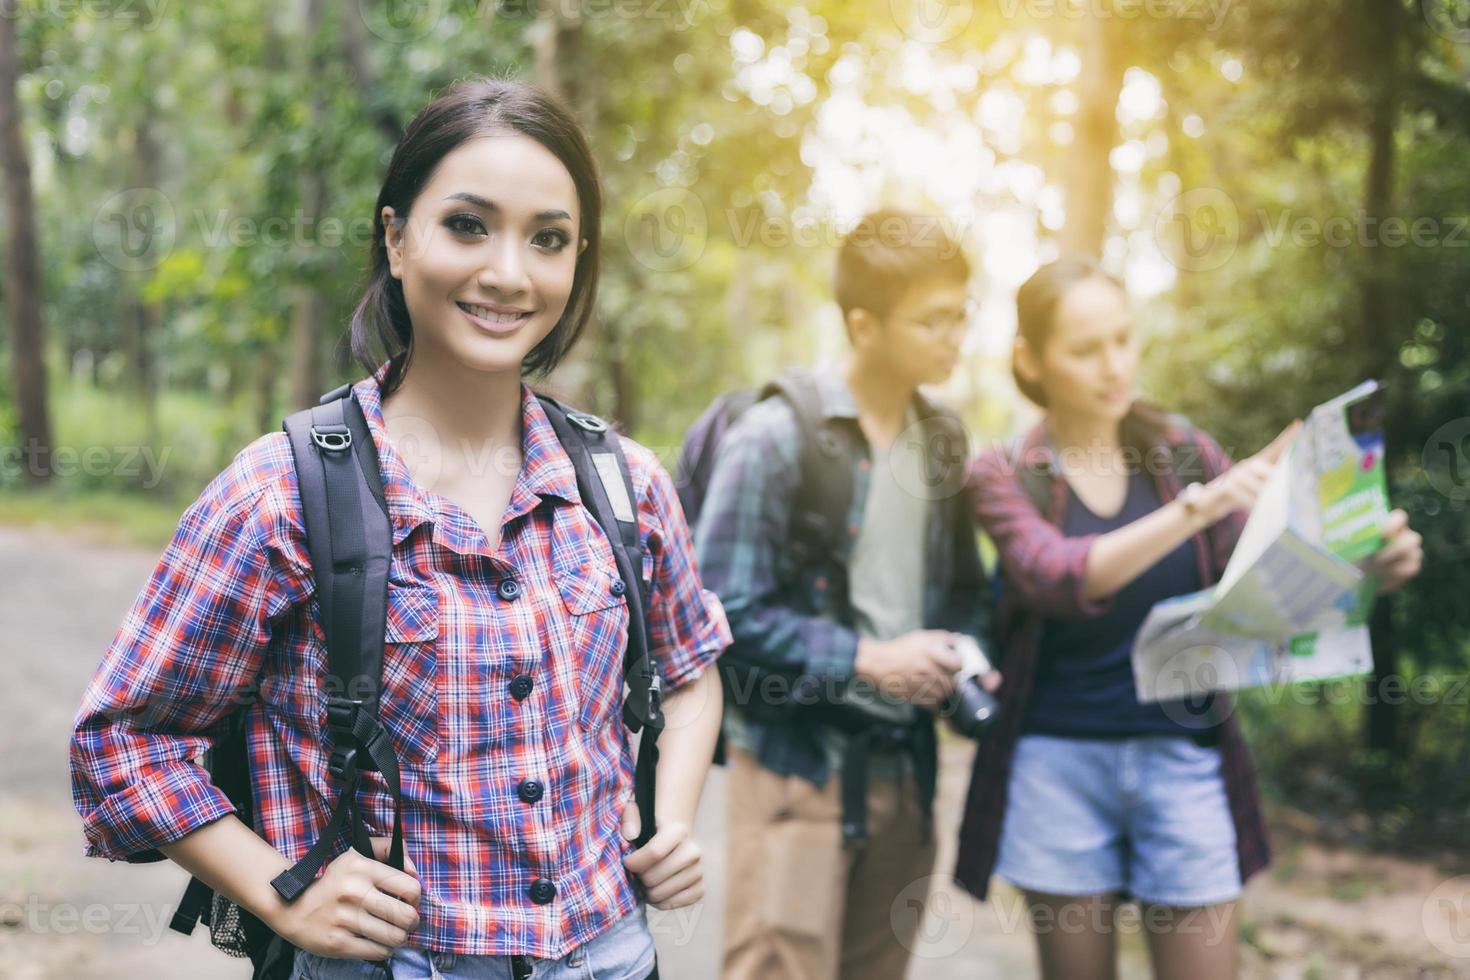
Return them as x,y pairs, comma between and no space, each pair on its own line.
1044,573
483,690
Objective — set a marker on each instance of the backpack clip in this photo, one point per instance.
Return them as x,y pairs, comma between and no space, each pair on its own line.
332,438
342,766
589,422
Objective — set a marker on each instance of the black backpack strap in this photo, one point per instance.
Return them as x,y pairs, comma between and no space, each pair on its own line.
350,539
824,491
606,486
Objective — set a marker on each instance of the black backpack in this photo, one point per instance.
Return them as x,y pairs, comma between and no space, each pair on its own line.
350,540
819,517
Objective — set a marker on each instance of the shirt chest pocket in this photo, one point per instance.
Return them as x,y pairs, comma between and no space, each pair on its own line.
596,633
409,706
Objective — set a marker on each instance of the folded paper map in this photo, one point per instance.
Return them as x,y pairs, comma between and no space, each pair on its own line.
1293,603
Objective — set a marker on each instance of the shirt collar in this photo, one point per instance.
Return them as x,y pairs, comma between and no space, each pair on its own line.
546,470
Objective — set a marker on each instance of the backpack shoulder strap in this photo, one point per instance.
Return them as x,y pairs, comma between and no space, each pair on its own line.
606,486
1035,479
824,491
1185,456
349,537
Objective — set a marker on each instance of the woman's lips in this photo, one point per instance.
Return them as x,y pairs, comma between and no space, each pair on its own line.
495,323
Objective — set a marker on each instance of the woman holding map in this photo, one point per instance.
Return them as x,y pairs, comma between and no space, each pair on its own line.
1084,797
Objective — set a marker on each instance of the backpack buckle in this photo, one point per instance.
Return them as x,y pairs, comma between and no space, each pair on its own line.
342,715
589,422
332,438
342,766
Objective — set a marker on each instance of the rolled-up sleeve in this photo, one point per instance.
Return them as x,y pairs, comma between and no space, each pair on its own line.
687,630
1046,568
185,655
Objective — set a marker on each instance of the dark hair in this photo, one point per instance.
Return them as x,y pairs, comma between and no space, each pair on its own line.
1036,308
472,109
886,252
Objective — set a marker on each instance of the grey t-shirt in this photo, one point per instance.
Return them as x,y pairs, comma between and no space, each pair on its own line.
886,567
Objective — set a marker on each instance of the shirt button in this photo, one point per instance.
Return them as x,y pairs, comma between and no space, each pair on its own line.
542,891
509,589
520,686
618,586
530,790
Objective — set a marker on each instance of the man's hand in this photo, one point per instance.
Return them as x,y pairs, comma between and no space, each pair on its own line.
918,667
1401,556
670,865
358,909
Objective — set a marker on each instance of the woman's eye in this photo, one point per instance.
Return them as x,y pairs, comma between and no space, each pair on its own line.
464,224
552,239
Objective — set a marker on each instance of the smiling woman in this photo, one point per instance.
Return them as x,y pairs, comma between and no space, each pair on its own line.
512,598
491,200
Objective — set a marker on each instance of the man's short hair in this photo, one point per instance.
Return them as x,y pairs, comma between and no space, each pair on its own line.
887,252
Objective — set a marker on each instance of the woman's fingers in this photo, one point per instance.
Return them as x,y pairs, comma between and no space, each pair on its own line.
1277,446
684,857
687,897
683,881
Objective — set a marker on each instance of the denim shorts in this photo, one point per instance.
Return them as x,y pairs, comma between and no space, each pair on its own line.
624,952
1146,816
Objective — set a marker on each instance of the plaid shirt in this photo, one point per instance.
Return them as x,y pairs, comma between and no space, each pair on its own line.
796,620
1044,573
484,689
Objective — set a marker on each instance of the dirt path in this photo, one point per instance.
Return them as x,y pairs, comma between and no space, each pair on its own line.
1319,913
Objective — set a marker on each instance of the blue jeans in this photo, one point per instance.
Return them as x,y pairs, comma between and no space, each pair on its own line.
1146,815
624,952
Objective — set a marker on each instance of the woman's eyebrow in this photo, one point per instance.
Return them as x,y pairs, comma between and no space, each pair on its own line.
485,205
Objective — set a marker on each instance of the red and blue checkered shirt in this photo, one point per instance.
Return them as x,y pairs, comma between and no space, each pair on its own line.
485,689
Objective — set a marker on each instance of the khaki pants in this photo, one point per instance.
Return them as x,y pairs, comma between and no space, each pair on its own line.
800,905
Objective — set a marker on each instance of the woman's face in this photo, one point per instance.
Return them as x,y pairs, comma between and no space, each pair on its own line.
488,253
1088,364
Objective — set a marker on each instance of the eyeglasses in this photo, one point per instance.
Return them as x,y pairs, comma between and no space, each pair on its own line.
948,321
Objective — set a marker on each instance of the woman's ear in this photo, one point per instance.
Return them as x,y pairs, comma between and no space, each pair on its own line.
862,327
1027,364
582,247
393,228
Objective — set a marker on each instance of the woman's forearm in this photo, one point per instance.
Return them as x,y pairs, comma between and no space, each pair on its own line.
686,748
235,861
1118,557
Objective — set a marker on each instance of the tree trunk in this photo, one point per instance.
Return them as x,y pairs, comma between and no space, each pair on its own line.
144,318
1379,334
358,55
22,268
309,309
1089,171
